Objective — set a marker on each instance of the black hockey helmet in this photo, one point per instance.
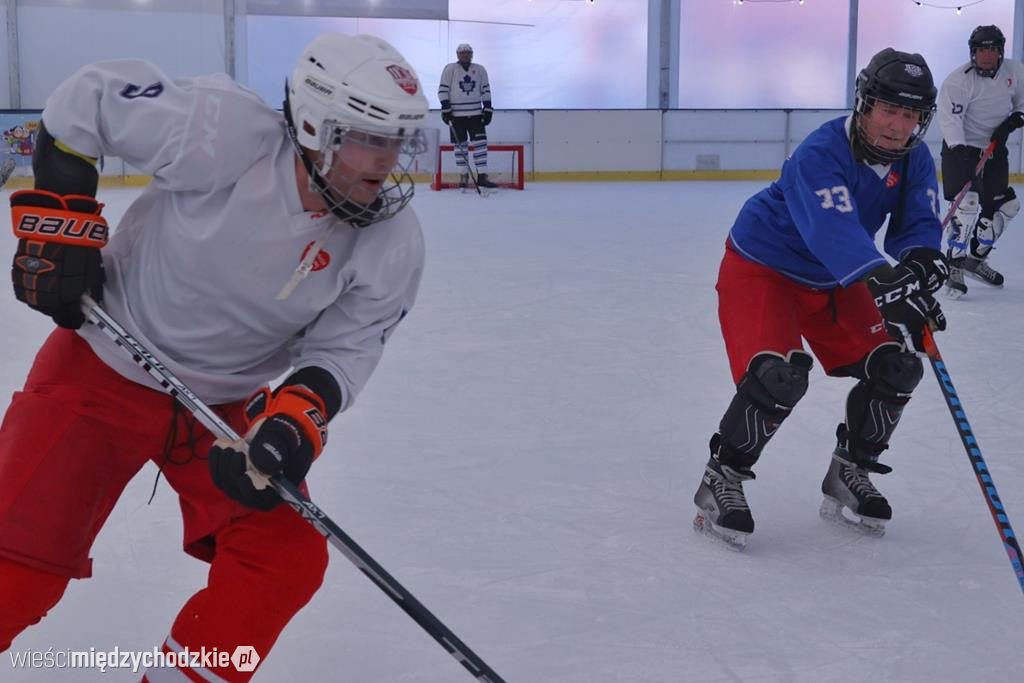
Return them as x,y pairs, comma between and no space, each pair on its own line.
898,78
987,36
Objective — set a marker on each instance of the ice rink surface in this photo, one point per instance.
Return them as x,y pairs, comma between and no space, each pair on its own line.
524,461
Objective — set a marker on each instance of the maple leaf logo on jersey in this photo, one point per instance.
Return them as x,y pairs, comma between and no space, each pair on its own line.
322,260
405,79
892,179
467,84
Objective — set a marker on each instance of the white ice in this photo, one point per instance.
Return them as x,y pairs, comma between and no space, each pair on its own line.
525,457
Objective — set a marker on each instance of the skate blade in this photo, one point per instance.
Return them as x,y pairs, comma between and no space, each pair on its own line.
835,512
978,278
733,540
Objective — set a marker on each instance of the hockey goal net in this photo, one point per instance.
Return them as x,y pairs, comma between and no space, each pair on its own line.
504,167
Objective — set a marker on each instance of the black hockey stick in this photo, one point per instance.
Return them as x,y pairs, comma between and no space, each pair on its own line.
291,494
989,151
988,487
463,148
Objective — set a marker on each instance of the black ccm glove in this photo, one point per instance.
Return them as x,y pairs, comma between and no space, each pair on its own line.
58,257
1009,124
905,303
285,431
930,265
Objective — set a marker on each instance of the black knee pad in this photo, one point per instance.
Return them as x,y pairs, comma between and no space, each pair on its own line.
874,407
893,371
765,395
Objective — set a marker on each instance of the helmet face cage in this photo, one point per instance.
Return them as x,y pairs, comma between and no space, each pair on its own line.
986,37
876,153
339,138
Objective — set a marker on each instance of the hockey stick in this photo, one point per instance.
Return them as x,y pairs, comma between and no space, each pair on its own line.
988,487
463,149
6,169
291,494
989,151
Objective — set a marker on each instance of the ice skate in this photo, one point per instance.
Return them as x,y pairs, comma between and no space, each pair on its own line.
722,510
978,269
463,182
851,500
485,185
955,285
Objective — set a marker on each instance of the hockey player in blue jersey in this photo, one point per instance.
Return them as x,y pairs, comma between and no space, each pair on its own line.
801,264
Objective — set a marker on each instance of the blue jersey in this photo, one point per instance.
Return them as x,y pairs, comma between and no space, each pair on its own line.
816,224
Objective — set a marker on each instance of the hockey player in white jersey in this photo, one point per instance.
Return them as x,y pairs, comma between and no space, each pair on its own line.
265,245
465,95
980,102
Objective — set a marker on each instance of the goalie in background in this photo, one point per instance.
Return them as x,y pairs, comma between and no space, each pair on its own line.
465,94
982,101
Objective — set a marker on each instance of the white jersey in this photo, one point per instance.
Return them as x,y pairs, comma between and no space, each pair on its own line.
465,89
194,266
972,106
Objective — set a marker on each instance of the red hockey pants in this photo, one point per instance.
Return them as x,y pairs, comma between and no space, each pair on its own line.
70,442
762,310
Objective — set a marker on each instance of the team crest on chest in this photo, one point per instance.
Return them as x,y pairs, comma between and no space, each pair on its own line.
467,84
322,260
892,179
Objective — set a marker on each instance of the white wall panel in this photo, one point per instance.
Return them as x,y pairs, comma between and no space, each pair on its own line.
596,140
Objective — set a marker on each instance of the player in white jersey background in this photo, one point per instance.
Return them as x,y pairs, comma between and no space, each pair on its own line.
980,102
465,95
265,244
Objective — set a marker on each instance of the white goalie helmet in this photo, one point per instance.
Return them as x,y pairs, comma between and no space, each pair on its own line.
353,97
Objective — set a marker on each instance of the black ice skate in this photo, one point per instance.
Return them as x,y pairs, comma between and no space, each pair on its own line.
483,182
955,285
463,181
722,510
847,488
978,269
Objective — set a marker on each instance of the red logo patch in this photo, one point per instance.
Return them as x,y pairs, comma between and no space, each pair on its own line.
892,179
404,78
322,260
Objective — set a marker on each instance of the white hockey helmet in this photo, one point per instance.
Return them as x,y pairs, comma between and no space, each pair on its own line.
345,84
464,47
357,80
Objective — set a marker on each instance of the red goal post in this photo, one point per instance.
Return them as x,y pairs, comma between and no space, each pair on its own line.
504,167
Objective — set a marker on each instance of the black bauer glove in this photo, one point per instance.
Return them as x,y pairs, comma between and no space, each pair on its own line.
58,257
906,306
488,113
930,265
446,112
1009,124
285,431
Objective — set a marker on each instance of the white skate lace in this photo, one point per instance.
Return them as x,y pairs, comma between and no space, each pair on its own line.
729,494
856,479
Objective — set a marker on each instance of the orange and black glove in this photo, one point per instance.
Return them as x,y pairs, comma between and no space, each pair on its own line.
58,257
285,431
